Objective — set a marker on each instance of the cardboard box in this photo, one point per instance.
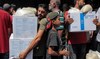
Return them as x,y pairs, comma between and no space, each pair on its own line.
17,46
24,27
82,22
24,31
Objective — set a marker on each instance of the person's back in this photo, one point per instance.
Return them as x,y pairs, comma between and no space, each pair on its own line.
4,37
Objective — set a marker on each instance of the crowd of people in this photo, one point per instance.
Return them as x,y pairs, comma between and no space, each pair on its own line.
53,33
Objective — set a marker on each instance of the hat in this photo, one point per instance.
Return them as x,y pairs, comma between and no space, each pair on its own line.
6,6
52,15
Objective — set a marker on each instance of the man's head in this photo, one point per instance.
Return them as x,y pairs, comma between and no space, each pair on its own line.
41,11
55,18
7,7
80,3
53,4
65,7
13,7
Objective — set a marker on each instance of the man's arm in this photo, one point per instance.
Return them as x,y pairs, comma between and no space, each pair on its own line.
33,43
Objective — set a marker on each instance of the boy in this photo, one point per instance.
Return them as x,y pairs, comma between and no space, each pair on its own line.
54,43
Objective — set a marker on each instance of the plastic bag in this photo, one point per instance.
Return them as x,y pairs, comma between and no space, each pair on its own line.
93,55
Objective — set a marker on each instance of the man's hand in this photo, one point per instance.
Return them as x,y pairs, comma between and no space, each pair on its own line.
95,21
64,52
22,55
68,19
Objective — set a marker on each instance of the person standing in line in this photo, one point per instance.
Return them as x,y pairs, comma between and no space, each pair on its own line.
38,44
54,49
77,40
5,24
54,7
7,7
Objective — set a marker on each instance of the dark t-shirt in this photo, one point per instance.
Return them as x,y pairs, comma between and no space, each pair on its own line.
40,48
54,43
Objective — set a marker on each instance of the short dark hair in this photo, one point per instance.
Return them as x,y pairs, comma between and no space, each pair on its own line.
43,6
65,7
58,2
13,6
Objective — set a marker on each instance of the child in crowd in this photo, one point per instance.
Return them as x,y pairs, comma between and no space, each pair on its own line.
54,50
